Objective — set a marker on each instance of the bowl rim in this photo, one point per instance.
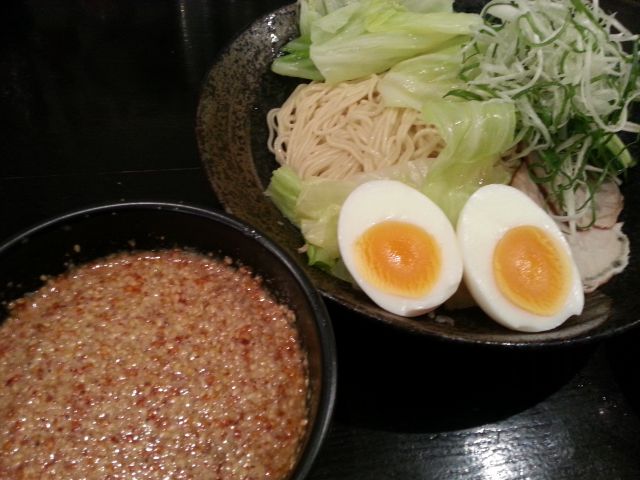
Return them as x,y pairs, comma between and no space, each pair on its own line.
326,336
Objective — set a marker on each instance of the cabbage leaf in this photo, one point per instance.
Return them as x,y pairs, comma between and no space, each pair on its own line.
345,40
412,82
313,206
476,134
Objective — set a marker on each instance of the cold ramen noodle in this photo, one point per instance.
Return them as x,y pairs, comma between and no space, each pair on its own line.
165,364
509,123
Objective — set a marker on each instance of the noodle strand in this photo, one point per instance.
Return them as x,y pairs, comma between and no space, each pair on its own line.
336,131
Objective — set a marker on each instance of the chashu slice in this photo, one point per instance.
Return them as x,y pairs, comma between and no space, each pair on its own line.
601,251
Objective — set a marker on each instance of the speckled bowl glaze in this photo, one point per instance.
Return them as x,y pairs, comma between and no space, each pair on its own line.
232,135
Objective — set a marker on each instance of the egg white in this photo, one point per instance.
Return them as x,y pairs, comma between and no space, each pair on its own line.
488,214
383,200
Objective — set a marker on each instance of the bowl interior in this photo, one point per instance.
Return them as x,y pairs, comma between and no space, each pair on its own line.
232,135
78,237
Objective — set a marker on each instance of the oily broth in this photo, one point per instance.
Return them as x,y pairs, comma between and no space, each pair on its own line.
151,364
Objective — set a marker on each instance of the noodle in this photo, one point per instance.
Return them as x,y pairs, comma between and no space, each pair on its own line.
336,131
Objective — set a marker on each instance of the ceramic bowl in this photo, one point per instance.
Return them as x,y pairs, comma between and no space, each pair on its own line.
232,135
80,236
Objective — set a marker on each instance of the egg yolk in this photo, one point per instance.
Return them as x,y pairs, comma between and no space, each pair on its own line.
399,258
531,271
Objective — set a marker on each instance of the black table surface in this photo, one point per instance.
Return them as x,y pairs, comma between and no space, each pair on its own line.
97,104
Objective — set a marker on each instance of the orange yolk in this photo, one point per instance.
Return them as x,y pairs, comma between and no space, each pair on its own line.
399,258
531,271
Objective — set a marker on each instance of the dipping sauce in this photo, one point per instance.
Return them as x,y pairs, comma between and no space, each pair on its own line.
166,364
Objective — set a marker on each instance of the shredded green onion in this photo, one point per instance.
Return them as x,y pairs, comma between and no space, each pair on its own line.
572,71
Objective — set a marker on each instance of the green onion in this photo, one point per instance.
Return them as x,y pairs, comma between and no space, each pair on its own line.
573,72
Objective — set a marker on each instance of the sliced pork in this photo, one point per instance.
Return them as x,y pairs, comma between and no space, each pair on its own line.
601,251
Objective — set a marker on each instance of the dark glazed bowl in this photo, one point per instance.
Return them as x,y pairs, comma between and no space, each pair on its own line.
49,248
232,136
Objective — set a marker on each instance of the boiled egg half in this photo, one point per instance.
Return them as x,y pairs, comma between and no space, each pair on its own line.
517,264
399,247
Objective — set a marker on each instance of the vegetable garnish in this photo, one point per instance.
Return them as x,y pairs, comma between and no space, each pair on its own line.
476,134
342,40
572,71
